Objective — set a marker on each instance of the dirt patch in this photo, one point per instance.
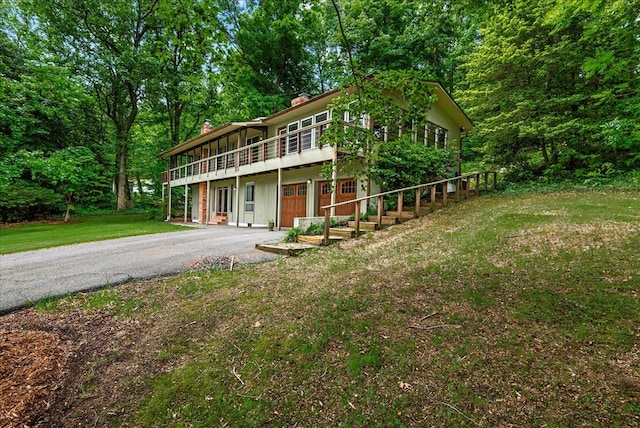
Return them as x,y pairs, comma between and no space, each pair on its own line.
50,364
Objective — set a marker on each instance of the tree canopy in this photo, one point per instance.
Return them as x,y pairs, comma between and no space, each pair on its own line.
552,87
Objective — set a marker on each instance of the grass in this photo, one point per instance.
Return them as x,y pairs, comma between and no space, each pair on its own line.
79,229
508,310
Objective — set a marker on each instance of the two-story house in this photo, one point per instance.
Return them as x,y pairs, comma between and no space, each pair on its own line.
269,168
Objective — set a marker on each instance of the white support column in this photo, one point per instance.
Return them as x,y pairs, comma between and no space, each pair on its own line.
238,201
279,200
169,202
207,211
334,181
186,201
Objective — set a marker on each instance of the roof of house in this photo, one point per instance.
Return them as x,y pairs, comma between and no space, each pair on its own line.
444,100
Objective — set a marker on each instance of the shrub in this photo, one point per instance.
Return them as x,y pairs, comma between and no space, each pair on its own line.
25,201
292,235
315,229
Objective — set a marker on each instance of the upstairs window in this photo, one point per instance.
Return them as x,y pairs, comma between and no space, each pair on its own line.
306,138
435,136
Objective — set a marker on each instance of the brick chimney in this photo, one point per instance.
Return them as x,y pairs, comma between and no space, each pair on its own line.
206,127
300,99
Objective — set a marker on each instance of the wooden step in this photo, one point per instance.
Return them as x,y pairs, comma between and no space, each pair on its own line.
317,240
364,225
386,220
404,214
345,232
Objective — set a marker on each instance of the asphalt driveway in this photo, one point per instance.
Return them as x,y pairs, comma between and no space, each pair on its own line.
33,275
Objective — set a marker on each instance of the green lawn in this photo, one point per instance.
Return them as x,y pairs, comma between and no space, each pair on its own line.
505,310
79,229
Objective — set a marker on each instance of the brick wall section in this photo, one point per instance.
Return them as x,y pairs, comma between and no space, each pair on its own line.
202,203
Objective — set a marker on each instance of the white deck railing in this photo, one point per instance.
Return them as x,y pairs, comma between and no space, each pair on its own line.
303,139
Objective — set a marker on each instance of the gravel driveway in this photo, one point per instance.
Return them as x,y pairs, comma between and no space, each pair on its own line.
32,275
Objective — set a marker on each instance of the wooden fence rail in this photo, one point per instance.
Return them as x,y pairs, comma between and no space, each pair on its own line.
430,188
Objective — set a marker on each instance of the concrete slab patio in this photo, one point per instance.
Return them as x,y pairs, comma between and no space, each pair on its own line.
33,275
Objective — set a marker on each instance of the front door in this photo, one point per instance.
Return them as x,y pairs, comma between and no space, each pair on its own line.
294,202
346,190
222,201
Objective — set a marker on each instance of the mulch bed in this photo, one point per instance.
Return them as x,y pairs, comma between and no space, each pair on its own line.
32,365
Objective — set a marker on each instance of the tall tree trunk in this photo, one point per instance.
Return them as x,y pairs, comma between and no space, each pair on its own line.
121,182
545,154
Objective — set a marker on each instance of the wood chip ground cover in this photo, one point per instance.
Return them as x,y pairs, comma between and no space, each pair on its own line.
502,311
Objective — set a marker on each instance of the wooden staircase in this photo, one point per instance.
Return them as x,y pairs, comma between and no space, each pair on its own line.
433,196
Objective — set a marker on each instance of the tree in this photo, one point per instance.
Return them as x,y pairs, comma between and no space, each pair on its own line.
185,38
412,34
72,171
268,62
108,45
392,100
542,85
405,163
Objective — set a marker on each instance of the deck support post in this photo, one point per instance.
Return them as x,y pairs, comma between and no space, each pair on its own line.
380,208
327,224
433,198
207,211
400,202
237,207
186,201
445,193
357,218
467,187
169,201
279,200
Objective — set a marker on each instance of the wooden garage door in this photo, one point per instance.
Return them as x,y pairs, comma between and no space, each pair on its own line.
294,202
347,190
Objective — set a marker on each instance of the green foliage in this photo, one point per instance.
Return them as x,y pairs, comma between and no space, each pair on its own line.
546,98
392,35
72,171
292,235
315,229
25,200
404,163
392,99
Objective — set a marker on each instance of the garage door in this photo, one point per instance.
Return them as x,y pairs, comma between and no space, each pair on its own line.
347,190
294,202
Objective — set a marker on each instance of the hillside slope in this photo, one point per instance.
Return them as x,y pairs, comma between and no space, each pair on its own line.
519,310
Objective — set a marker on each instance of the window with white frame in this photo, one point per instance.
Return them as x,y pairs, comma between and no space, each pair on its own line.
306,138
435,136
292,139
319,118
249,197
